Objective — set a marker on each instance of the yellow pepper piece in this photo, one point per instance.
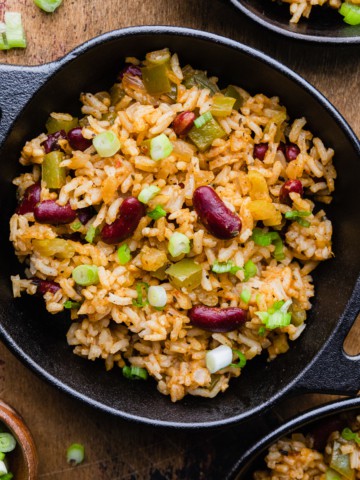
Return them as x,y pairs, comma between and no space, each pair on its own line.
259,189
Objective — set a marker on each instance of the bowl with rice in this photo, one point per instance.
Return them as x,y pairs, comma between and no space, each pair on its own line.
167,227
319,21
322,443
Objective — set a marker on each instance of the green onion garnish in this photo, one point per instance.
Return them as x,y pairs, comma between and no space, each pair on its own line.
250,270
178,244
75,454
7,476
261,331
69,304
106,143
279,249
225,267
48,6
245,295
277,316
203,119
76,226
135,373
3,469
7,442
157,296
139,290
348,434
242,360
3,42
86,275
2,456
91,234
148,193
157,213
160,147
264,239
15,36
124,254
351,13
218,358
297,216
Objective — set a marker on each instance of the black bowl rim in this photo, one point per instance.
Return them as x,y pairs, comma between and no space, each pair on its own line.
296,422
50,69
320,39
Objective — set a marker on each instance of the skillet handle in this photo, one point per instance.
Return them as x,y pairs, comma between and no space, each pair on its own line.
17,86
333,371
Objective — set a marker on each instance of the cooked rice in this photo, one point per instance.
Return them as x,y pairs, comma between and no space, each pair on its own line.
108,325
302,8
296,457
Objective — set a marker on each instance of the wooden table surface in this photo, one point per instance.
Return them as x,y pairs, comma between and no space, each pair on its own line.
116,449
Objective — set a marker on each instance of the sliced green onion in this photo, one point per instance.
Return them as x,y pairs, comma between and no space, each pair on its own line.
2,456
261,331
351,13
242,360
297,216
203,119
225,267
178,244
218,358
14,30
157,296
250,270
279,249
277,316
48,6
348,434
69,304
245,295
75,454
7,442
264,239
7,476
139,290
303,222
86,275
3,468
148,193
124,254
106,144
76,226
3,42
135,373
157,213
160,147
91,234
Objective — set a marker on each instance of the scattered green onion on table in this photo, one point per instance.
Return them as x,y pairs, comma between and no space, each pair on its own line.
48,6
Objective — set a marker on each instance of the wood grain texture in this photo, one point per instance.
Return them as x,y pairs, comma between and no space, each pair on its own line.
116,449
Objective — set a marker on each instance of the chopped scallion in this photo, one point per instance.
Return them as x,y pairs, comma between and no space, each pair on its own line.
75,454
157,213
15,36
69,304
86,275
157,296
3,469
148,193
124,254
261,331
178,244
135,373
203,119
160,147
106,144
225,267
7,476
76,226
242,360
348,434
350,12
91,234
264,239
245,295
218,358
139,302
297,216
277,316
250,270
48,6
7,442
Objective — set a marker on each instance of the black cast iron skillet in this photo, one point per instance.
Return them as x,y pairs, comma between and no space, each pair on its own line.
252,459
325,25
315,362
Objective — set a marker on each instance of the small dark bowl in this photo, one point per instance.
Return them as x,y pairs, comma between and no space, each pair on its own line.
27,97
325,25
253,458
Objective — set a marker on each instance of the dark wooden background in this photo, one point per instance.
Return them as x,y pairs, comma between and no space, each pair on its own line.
116,450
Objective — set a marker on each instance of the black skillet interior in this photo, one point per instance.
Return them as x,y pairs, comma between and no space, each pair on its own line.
39,338
325,25
325,418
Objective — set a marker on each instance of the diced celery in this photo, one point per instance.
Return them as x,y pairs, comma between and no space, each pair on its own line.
204,136
156,80
222,106
51,173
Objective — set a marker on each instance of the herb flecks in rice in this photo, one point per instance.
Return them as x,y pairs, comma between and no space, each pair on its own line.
108,323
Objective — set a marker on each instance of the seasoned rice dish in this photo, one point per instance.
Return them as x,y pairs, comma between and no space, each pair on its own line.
177,223
302,8
331,451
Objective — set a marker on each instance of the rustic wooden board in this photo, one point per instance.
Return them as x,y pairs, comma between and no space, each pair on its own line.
116,449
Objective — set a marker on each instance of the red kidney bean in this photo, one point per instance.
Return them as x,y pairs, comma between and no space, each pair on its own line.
30,199
291,151
130,213
321,431
77,141
214,214
85,214
217,319
260,150
49,211
290,186
183,122
130,69
51,143
44,286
